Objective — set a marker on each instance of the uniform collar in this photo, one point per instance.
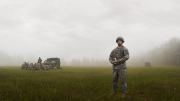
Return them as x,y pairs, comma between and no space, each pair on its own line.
120,47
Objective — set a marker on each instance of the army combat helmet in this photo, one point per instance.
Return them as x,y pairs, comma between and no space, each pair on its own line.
120,38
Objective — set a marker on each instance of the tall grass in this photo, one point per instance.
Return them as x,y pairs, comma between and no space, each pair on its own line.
88,84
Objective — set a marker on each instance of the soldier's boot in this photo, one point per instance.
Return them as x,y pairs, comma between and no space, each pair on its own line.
115,88
124,87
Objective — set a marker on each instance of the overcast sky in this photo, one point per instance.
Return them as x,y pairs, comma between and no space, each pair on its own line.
85,28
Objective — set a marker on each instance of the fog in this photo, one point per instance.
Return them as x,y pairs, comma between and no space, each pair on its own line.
166,54
84,30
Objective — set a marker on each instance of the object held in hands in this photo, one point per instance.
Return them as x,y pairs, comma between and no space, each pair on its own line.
115,62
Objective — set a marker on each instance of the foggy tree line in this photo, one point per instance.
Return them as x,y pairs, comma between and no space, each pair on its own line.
89,62
166,54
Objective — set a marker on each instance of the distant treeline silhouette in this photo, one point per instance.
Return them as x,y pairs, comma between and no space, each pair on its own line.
166,54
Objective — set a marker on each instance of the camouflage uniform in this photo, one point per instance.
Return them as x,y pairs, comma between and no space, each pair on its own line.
120,54
39,60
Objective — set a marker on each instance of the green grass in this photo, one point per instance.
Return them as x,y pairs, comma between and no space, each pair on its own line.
88,84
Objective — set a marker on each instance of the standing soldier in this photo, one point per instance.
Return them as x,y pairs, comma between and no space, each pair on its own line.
118,58
40,60
39,64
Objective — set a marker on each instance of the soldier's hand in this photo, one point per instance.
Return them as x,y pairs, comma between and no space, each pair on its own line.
114,62
119,61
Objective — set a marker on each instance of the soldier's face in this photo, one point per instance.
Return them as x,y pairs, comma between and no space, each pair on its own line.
119,42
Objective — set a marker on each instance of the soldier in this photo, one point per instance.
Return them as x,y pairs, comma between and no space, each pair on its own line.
40,60
118,58
39,64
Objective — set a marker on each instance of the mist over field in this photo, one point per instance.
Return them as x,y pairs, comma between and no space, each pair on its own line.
83,32
58,50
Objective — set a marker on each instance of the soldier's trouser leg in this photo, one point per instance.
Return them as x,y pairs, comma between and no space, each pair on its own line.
115,80
123,77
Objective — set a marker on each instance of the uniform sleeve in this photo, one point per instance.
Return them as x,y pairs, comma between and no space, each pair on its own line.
111,58
126,55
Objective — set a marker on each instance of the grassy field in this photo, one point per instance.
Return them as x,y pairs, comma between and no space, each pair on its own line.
88,84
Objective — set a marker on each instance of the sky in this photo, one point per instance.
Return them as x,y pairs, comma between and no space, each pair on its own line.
75,29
